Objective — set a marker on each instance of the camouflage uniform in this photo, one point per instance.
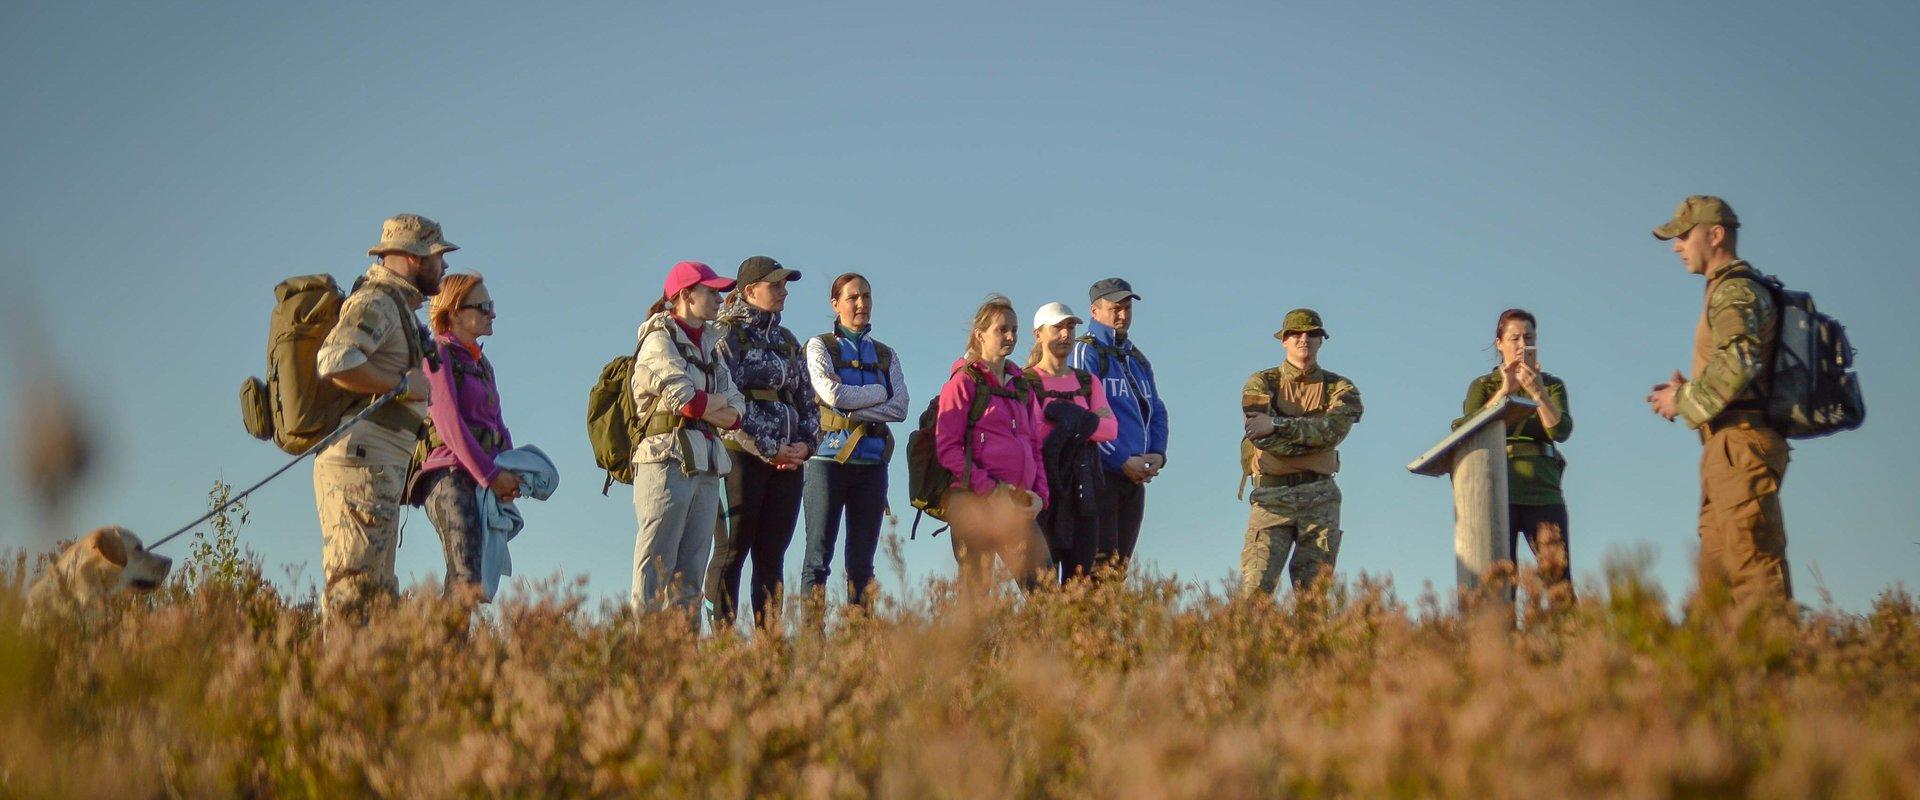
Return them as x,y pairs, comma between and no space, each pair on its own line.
1743,534
1296,503
359,480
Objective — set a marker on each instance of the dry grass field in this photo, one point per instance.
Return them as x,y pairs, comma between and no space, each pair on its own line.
1151,689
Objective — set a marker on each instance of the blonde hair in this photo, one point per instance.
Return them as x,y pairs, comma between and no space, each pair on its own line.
453,294
995,305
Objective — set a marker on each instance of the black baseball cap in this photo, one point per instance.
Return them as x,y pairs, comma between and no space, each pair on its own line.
1113,289
762,268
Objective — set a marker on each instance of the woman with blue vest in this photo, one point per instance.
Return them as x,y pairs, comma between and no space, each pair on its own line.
860,388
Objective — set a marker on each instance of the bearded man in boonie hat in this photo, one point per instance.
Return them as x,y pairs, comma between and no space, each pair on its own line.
359,480
414,247
1743,533
1294,416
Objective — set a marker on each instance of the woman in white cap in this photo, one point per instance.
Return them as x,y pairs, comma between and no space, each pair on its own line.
685,398
1070,410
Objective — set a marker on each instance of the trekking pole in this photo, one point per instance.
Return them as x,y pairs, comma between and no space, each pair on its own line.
317,446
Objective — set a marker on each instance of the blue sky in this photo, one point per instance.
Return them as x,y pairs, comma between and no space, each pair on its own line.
1407,169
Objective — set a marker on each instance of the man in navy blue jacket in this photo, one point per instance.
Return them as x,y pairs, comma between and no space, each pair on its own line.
1137,454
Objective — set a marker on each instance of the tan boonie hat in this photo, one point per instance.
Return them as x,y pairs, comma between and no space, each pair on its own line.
1700,209
1301,320
411,233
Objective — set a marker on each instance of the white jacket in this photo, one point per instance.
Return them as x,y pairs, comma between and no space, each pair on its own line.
663,379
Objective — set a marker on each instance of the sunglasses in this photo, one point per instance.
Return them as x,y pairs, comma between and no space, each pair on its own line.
484,308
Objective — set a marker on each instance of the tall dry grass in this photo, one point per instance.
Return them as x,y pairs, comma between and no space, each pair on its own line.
1152,689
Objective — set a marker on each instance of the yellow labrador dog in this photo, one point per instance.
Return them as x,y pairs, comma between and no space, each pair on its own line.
78,583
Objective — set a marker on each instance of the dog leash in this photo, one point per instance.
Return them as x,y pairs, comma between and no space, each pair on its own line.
372,407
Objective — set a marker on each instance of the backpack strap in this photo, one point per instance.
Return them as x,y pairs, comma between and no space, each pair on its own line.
1037,387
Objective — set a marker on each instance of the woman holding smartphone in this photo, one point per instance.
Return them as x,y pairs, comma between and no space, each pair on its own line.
1536,508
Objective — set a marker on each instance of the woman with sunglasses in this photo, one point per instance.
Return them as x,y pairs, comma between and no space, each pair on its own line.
465,432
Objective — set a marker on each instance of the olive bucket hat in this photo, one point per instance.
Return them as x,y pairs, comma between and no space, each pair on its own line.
1301,320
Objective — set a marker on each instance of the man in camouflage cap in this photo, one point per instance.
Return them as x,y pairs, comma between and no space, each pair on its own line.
1295,416
378,345
1743,536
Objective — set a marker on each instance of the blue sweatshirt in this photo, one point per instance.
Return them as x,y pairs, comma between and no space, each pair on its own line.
1131,393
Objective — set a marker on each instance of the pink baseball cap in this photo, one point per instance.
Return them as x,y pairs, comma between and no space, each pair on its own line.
688,273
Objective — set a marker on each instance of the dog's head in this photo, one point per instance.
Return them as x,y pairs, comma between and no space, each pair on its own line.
114,558
140,570
104,562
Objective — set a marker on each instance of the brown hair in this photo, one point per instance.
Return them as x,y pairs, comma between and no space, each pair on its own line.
995,305
845,278
1511,315
453,294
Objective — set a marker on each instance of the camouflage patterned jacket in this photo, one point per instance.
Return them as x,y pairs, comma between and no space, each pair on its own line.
769,367
1732,347
1313,411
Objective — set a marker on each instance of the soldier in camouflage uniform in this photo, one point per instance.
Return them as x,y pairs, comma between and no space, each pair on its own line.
359,480
1743,536
1296,414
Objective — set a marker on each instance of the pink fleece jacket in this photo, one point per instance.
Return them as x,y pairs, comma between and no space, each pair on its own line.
1006,440
1070,383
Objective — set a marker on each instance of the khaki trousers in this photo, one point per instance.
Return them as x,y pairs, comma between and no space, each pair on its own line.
1743,535
360,505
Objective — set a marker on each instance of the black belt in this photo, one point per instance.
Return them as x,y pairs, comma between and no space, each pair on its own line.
1729,420
1294,479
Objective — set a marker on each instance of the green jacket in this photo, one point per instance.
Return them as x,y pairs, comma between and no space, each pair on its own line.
1732,348
1532,479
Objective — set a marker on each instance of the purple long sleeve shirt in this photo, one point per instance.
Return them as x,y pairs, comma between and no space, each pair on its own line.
464,400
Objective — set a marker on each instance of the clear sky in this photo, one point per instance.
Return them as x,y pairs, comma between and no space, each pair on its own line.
1408,169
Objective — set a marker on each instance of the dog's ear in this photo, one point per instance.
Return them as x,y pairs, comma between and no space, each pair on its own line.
108,543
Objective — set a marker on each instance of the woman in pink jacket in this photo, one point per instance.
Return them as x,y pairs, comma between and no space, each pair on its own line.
986,434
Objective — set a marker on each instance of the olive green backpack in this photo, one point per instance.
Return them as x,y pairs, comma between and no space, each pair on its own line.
613,421
293,407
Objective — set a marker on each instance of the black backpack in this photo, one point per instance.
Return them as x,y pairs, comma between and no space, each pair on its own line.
927,479
1815,391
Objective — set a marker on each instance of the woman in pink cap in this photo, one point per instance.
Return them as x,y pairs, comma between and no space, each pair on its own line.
684,397
986,435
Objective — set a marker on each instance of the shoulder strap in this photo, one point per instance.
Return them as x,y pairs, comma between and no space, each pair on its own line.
830,341
982,395
1086,384
416,352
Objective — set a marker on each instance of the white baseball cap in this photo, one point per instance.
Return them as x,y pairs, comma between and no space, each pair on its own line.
1053,314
